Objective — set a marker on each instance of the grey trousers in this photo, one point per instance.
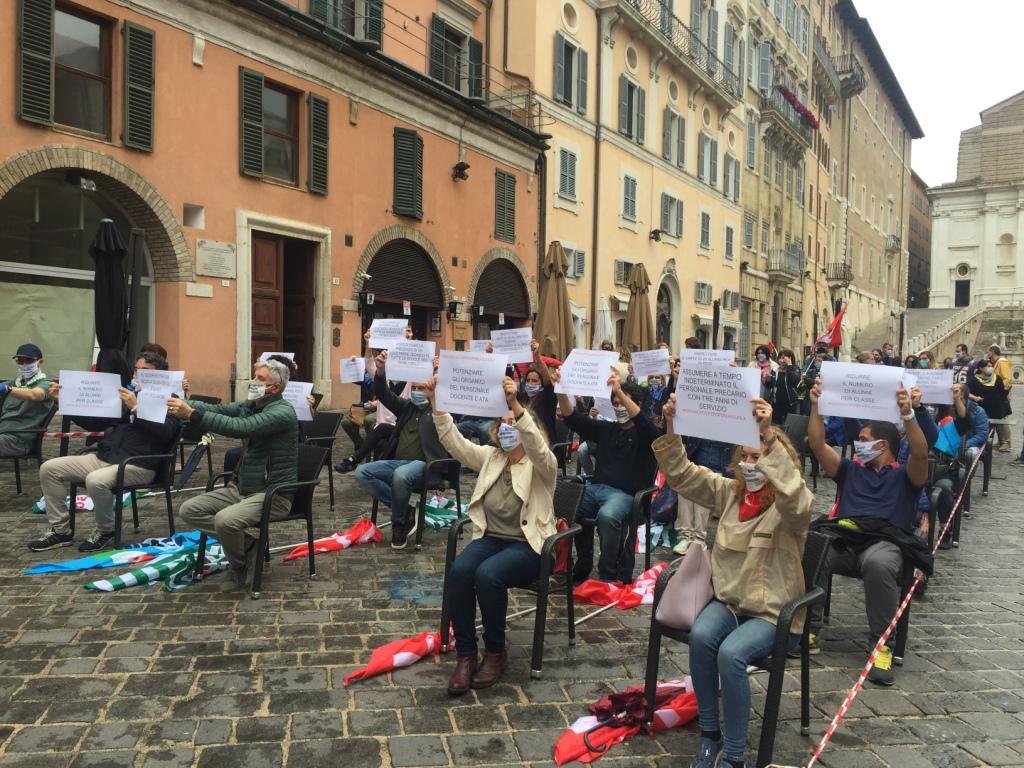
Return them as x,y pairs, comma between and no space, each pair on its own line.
1003,434
225,514
13,445
691,520
57,474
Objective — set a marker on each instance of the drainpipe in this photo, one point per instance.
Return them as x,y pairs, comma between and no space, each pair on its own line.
596,207
542,214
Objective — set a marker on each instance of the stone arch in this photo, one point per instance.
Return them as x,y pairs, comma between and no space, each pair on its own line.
504,253
395,232
145,206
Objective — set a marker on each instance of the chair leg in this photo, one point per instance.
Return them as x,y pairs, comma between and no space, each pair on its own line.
257,577
309,544
651,676
209,461
181,454
771,712
118,515
17,476
197,572
805,684
330,478
373,511
72,506
135,511
826,613
570,604
170,509
421,518
648,548
539,625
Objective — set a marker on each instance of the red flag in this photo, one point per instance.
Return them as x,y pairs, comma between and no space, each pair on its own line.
833,335
361,533
640,592
397,654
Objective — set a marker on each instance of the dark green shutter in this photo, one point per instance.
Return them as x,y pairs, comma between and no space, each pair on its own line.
667,120
139,77
319,133
666,213
504,206
681,143
623,105
373,26
250,101
476,69
35,61
641,115
559,89
581,81
408,177
437,47
320,10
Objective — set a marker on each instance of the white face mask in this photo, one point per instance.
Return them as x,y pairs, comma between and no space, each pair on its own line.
752,476
28,371
987,371
532,390
508,437
761,357
621,415
257,389
866,450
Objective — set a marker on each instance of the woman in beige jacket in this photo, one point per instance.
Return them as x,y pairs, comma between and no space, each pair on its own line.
756,569
512,514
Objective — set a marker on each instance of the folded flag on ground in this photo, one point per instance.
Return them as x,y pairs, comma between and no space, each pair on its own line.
640,592
363,532
81,502
174,570
147,549
397,654
442,512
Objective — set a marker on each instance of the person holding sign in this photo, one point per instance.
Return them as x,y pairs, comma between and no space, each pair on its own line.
540,392
875,514
24,402
625,465
98,471
512,516
267,423
756,568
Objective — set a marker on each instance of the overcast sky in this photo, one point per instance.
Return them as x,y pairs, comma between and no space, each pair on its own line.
953,59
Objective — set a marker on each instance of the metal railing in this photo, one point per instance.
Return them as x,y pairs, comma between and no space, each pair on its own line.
943,330
773,101
839,272
851,75
687,45
787,261
892,244
827,66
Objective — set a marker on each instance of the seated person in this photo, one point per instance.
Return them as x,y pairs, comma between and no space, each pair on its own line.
656,394
377,438
267,423
874,515
413,444
625,465
756,568
24,402
512,516
98,470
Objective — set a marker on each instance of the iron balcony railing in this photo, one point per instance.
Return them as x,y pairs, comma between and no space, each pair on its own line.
827,66
892,244
688,45
851,75
773,101
787,261
839,272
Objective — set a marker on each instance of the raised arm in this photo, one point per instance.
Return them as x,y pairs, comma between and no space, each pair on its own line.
467,452
792,497
381,391
917,464
827,457
538,361
534,444
691,481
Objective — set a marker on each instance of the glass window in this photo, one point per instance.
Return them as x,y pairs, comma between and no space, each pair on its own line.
453,42
280,133
81,72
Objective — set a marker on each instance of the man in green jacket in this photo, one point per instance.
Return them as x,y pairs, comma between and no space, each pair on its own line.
270,428
24,402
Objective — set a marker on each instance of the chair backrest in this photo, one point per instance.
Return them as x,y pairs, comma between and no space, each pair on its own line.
317,399
37,441
568,495
323,425
165,472
796,430
310,462
192,432
815,552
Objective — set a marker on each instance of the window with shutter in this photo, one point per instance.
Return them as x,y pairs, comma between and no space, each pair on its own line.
680,142
319,133
764,67
767,169
800,184
567,174
727,176
751,145
437,45
713,149
581,81
712,39
729,234
748,234
250,95
280,133
579,263
679,218
629,198
695,18
81,70
667,123
559,78
702,156
705,230
666,212
752,61
764,237
624,127
139,76
736,180
35,61
728,40
641,114
373,26
408,174
476,69
504,206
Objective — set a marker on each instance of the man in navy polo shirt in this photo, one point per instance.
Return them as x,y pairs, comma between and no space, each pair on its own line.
877,505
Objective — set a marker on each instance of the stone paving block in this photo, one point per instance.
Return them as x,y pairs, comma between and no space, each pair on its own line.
36,760
138,707
326,753
114,759
112,736
420,720
254,729
950,756
294,679
374,722
222,705
382,699
536,744
213,731
992,753
415,751
158,684
75,710
167,732
168,758
492,749
248,755
313,725
51,688
997,726
22,711
41,738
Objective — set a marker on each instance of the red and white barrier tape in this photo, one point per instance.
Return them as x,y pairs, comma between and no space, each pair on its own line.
62,435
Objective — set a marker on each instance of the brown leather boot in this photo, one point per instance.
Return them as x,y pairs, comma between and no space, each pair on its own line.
462,676
490,670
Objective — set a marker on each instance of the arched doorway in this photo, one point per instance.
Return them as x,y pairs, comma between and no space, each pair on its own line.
501,299
663,318
402,273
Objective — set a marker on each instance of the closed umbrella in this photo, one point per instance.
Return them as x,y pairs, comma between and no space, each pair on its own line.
554,320
639,328
603,328
111,301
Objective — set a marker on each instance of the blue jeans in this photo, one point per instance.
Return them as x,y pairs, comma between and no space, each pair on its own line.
721,647
392,482
483,573
611,508
585,453
478,428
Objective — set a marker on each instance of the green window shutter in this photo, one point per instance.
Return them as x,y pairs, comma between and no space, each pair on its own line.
320,10
250,98
666,213
581,81
139,79
373,24
559,89
437,47
504,206
641,114
681,142
667,120
319,133
35,61
476,69
623,105
408,178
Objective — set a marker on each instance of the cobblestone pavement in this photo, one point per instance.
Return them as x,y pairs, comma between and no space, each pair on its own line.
147,679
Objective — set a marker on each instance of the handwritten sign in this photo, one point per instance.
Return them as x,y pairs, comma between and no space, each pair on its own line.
295,392
385,332
585,372
514,343
469,383
267,355
605,409
351,370
713,402
479,345
155,387
935,384
653,362
708,356
860,391
411,360
84,393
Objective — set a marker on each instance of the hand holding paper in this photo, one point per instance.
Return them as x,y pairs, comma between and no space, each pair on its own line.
713,402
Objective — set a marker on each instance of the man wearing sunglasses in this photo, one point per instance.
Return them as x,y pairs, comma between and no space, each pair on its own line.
24,402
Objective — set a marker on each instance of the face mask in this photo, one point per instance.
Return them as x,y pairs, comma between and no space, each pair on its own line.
257,389
532,390
922,363
656,388
987,370
888,353
28,371
761,357
961,357
752,476
866,450
508,437
418,396
878,359
621,415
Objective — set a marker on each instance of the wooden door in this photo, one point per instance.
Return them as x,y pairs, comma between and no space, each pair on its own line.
267,294
298,305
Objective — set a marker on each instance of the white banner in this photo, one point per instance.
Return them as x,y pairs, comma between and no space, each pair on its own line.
652,362
411,361
585,373
713,402
155,387
708,356
469,383
859,391
295,392
385,332
936,385
352,370
85,393
513,343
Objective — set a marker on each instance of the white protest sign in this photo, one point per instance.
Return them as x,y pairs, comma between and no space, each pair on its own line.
514,343
859,391
384,332
295,392
155,387
585,373
605,409
85,393
652,362
267,355
713,402
708,356
470,383
411,360
935,385
352,370
479,345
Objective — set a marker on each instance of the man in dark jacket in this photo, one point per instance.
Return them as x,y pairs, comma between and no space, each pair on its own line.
413,444
98,470
268,424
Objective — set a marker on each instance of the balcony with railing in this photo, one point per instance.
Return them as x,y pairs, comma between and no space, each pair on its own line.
655,21
785,125
786,264
825,71
838,274
851,75
892,244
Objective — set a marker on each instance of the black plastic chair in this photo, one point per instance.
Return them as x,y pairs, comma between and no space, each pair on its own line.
162,481
566,501
35,450
563,455
796,430
640,513
193,433
815,551
323,431
439,475
310,462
